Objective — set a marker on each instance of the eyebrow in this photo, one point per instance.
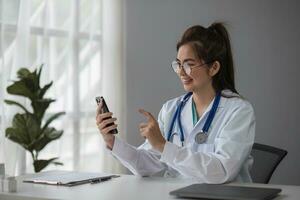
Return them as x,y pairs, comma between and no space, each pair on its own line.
186,60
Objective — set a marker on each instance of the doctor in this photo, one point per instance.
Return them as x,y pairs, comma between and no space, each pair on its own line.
206,134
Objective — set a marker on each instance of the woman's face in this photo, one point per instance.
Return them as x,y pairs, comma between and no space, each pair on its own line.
199,77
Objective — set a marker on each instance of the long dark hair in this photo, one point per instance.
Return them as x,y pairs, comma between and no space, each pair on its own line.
213,44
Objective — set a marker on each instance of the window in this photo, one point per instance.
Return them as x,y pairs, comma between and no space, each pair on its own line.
66,37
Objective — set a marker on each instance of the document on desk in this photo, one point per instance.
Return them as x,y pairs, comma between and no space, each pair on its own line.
69,178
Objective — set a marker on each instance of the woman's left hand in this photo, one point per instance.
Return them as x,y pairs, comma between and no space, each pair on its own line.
151,131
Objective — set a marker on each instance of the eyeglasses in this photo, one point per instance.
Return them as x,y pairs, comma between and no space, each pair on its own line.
186,66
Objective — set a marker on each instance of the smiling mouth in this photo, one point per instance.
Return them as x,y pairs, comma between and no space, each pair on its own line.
186,80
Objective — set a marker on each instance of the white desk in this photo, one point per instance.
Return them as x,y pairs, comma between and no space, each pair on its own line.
126,187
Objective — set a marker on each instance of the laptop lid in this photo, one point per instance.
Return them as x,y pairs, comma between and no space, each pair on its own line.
209,191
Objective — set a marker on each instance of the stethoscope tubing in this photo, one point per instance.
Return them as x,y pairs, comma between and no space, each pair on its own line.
177,116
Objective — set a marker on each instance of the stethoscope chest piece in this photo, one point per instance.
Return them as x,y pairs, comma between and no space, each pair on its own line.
201,137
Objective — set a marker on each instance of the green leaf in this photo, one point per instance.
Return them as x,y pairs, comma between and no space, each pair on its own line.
28,85
27,126
40,106
32,81
23,73
44,89
50,119
36,82
11,102
58,163
46,137
54,134
17,137
39,74
20,88
40,71
41,164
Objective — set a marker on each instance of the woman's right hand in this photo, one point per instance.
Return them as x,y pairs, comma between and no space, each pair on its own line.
102,120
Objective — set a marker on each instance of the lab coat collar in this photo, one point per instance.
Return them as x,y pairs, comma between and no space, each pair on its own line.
188,106
222,101
221,104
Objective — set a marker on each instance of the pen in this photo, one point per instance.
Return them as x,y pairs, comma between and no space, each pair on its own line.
100,180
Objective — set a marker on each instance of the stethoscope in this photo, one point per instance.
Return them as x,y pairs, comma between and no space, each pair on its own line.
202,136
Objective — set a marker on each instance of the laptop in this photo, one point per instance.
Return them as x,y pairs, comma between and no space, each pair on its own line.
209,191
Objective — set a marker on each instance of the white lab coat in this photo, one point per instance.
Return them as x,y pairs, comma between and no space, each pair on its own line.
224,157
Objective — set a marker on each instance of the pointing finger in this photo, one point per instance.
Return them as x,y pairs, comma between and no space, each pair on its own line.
147,114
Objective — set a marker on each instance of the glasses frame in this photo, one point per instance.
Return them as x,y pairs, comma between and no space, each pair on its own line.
188,67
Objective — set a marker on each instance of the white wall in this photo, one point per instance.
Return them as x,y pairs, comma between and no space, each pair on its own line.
265,39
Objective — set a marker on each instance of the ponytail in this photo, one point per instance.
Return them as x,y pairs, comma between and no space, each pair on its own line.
226,77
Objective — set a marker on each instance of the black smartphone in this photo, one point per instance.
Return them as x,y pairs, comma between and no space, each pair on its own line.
105,109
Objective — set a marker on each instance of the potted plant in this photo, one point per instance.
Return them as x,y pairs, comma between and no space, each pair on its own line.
29,128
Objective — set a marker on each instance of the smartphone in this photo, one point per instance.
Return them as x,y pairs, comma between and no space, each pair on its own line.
105,109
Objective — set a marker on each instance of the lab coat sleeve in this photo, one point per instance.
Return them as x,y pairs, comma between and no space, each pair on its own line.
144,160
229,151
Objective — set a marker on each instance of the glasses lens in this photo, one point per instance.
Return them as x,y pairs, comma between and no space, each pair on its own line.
175,66
187,68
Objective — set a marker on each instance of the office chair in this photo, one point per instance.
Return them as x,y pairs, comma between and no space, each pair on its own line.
266,160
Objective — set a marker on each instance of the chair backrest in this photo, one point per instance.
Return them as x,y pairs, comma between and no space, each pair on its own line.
266,160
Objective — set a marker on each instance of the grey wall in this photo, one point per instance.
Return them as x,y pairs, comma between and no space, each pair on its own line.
265,39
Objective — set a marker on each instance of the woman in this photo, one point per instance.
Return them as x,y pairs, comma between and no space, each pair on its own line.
205,134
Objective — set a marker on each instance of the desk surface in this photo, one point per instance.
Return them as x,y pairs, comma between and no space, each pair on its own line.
124,187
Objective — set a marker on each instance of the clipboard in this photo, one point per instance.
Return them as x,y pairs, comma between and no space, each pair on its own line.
69,178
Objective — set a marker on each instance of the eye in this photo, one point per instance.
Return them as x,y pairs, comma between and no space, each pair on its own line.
190,64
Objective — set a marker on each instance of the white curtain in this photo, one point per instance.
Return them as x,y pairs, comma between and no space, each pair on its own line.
80,44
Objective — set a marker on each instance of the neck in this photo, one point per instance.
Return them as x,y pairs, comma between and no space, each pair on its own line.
203,97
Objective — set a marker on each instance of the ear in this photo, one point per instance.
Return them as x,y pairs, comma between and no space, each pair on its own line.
214,69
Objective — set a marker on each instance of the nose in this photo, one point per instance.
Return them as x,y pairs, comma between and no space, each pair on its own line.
181,71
